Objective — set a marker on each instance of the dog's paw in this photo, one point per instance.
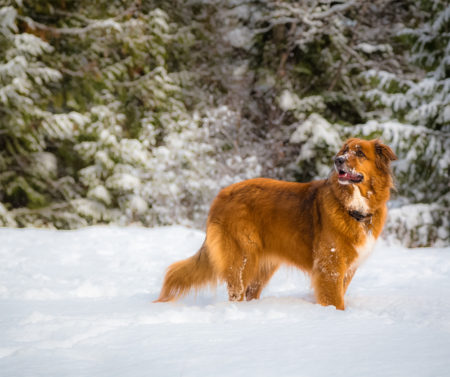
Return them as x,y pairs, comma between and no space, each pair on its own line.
233,296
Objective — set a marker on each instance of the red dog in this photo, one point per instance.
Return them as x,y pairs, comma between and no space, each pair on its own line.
326,228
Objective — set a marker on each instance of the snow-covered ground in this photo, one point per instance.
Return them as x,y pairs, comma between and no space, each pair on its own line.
78,303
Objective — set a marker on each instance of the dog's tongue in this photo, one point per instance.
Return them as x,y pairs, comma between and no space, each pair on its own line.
348,176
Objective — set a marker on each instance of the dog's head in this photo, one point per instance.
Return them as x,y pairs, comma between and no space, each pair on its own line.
360,161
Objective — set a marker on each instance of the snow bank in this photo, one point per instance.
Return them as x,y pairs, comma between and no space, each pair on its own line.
77,303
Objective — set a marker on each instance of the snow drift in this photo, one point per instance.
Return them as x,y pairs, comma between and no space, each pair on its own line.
77,303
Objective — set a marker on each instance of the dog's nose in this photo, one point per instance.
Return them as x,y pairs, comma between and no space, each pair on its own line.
339,160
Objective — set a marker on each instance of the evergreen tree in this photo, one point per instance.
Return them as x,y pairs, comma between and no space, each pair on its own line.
130,112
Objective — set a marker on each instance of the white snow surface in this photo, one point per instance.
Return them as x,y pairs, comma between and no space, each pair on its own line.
78,303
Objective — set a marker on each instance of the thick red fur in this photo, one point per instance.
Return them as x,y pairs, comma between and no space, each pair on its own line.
257,225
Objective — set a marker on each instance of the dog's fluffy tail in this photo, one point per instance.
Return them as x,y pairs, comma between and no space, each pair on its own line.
193,273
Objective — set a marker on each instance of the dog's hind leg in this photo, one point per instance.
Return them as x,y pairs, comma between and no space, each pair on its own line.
240,273
265,273
241,263
235,248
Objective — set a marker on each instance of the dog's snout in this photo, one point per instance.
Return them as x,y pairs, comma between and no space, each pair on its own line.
339,160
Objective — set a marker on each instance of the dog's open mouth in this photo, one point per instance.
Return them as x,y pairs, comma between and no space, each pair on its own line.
350,177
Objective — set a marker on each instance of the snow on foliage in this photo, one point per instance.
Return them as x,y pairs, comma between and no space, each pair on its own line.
419,224
134,113
320,141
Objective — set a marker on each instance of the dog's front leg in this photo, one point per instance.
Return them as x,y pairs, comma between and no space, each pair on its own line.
328,280
348,278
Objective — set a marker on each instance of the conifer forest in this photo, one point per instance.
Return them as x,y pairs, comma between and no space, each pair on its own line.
135,112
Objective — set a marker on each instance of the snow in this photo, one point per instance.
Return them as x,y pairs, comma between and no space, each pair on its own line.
100,193
44,164
316,135
320,130
78,303
240,37
413,224
369,48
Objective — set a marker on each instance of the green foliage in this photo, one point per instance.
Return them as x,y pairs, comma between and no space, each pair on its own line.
130,112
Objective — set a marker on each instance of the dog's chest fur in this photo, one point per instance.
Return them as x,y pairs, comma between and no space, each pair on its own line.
364,251
357,202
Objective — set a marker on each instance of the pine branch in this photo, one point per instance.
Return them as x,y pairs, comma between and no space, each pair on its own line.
93,24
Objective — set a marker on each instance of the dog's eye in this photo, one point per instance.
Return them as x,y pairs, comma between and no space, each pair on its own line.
360,154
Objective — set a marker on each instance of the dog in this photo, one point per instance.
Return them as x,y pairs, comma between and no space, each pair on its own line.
326,228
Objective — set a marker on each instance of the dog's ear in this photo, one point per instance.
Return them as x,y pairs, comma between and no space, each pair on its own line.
384,152
383,161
